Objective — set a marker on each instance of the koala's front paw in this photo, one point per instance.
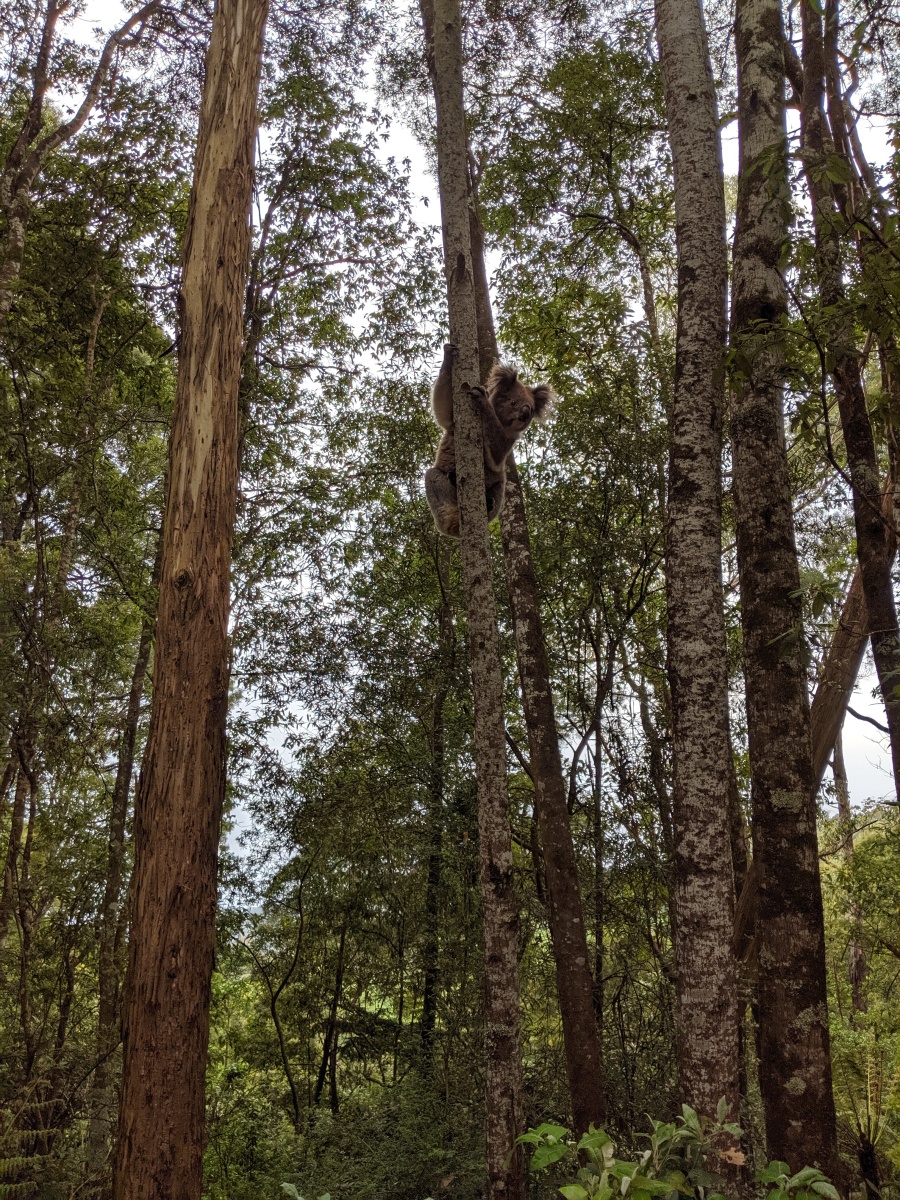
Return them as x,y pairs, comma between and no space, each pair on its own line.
451,352
477,392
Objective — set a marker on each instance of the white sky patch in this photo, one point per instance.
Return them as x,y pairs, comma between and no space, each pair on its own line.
867,754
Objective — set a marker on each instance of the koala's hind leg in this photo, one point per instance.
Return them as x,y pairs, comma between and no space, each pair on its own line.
440,491
495,494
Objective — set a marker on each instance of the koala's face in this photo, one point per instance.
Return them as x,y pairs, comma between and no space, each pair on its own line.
515,404
515,407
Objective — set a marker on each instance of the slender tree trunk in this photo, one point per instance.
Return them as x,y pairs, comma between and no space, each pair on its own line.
329,1042
838,335
837,679
436,817
794,1048
706,985
568,935
101,1101
838,676
503,1101
26,914
599,883
180,793
24,751
574,982
857,968
431,946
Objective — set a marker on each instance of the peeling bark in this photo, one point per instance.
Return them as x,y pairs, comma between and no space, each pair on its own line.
178,807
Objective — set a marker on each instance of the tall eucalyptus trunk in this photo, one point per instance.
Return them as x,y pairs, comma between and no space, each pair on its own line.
575,985
706,985
178,807
503,1098
794,1048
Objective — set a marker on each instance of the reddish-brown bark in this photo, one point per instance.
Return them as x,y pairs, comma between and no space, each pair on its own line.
180,793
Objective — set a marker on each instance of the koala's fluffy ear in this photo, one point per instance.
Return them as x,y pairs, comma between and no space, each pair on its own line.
501,378
543,399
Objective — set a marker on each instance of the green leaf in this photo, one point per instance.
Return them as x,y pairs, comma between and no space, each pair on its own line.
290,1190
773,1172
824,1188
574,1191
594,1139
805,1176
722,1110
838,169
817,6
545,1155
555,1132
653,1187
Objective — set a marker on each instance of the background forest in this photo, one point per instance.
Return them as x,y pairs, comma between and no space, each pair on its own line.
346,1013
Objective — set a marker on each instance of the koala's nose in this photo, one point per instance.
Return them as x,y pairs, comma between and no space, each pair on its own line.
524,414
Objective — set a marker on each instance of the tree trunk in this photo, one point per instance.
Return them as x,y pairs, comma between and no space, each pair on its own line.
101,1102
568,935
24,750
503,1100
329,1042
180,793
838,335
794,1048
837,679
706,985
857,968
599,883
436,820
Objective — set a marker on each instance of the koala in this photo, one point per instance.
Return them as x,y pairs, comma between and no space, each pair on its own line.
507,408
